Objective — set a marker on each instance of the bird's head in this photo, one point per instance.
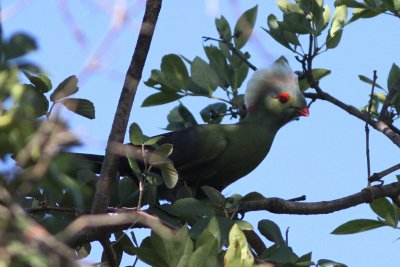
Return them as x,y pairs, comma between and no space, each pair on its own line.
275,92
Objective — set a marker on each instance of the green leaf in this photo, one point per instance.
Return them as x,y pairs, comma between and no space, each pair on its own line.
41,82
333,41
214,113
169,174
34,101
219,64
175,71
383,208
363,13
357,226
66,88
180,118
126,189
160,155
338,22
325,262
394,76
295,23
349,3
18,45
252,196
238,252
244,27
214,195
244,225
286,7
161,98
271,231
318,74
206,253
188,207
79,106
280,253
368,80
223,28
153,140
305,260
136,136
204,76
134,165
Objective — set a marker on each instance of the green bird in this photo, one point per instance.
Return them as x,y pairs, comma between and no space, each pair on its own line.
217,155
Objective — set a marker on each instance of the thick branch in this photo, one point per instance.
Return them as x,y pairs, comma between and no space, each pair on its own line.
118,130
281,206
88,228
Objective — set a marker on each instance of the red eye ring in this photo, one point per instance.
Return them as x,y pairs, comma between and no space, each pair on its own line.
283,98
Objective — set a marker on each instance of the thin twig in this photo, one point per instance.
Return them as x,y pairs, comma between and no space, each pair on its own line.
367,150
110,253
378,176
233,49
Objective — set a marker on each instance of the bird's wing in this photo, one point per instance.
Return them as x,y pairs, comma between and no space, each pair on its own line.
194,150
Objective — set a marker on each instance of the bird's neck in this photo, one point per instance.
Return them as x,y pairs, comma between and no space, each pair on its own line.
268,120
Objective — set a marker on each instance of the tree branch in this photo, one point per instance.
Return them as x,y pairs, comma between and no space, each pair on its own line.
281,206
134,74
377,125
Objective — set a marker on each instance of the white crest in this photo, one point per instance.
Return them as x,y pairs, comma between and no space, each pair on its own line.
265,79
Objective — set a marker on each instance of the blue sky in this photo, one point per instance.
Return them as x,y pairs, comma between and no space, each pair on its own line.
322,156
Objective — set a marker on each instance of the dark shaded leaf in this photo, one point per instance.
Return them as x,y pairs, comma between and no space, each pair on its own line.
79,106
368,80
175,71
219,64
214,195
161,98
160,155
244,27
223,28
214,113
41,82
280,253
204,76
66,88
325,262
18,45
356,226
169,174
136,136
126,189
394,76
187,207
383,208
180,118
271,231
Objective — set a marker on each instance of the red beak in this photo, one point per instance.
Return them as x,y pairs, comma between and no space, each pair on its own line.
304,111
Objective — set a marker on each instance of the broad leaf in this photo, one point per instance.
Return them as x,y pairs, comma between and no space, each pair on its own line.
18,45
238,253
136,136
244,27
223,28
383,208
160,155
394,76
271,231
79,106
357,226
161,98
204,76
41,82
214,195
214,113
368,80
66,88
169,174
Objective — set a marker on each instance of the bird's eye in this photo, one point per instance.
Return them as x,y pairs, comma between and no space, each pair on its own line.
283,98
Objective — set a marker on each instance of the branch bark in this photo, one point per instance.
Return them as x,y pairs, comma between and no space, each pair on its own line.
281,206
377,125
134,74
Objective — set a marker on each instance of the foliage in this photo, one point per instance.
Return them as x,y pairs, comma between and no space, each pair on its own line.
55,188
